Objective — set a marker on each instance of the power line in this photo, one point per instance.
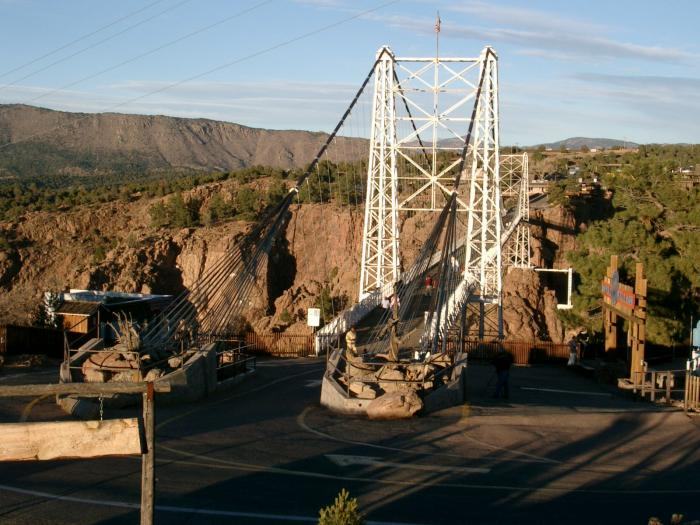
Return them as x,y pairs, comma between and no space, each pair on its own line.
150,52
92,46
80,38
264,51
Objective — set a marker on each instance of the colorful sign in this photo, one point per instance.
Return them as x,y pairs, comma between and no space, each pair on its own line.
616,294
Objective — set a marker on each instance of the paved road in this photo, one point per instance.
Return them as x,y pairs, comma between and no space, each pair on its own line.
267,452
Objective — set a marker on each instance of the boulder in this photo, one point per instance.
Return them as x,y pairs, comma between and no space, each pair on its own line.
362,390
394,405
391,379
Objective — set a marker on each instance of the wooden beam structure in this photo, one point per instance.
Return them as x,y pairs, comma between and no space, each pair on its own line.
69,439
88,439
81,389
622,301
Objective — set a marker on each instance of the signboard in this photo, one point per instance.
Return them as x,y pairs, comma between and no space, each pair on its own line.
313,317
696,335
616,294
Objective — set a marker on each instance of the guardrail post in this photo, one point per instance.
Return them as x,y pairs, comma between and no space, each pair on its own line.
148,458
669,375
653,386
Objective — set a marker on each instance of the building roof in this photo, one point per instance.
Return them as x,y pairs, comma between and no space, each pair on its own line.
78,308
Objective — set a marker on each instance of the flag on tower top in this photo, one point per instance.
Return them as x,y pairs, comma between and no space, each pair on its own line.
437,23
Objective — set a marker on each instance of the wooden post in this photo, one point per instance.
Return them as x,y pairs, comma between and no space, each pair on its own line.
653,386
639,319
669,376
610,317
148,458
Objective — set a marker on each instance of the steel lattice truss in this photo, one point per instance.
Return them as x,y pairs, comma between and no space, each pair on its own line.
483,243
421,110
515,189
380,247
438,95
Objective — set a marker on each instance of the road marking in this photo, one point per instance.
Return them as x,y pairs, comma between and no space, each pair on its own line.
181,510
246,467
557,391
347,461
301,422
313,383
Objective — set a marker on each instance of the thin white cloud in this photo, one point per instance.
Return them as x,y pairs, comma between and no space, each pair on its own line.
525,17
567,42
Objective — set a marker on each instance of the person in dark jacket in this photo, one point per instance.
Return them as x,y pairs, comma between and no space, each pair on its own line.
502,362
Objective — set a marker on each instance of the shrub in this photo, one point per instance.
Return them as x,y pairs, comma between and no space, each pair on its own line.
344,511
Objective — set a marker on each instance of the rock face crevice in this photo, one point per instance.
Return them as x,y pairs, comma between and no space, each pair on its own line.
281,271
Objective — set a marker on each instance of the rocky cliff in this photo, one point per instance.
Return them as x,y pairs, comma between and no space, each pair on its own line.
114,247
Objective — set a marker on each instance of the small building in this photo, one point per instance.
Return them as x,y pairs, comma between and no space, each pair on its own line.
80,312
81,317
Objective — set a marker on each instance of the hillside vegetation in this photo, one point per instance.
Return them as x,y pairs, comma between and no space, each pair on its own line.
653,218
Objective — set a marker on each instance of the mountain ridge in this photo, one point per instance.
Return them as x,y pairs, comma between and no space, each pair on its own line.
589,142
51,142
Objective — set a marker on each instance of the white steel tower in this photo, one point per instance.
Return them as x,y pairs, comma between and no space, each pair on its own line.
380,241
483,242
515,190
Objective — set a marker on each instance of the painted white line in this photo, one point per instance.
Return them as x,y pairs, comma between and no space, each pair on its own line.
180,510
234,465
313,383
557,391
346,461
301,422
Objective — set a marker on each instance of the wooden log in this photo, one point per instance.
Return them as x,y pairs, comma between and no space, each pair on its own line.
69,439
83,389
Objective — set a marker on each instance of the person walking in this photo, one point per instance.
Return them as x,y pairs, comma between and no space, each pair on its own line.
573,351
502,362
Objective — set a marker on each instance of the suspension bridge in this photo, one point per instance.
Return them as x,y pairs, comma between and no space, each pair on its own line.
433,152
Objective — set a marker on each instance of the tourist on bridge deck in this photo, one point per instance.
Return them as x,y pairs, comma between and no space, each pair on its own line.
502,361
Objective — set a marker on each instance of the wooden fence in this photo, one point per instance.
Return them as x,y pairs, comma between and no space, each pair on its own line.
280,344
523,352
692,392
15,339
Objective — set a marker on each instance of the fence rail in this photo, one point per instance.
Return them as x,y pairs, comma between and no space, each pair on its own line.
664,384
523,352
280,344
692,392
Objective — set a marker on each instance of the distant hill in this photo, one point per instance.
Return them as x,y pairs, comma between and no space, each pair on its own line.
83,144
575,143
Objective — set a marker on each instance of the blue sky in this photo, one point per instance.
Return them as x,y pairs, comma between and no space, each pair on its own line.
624,69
